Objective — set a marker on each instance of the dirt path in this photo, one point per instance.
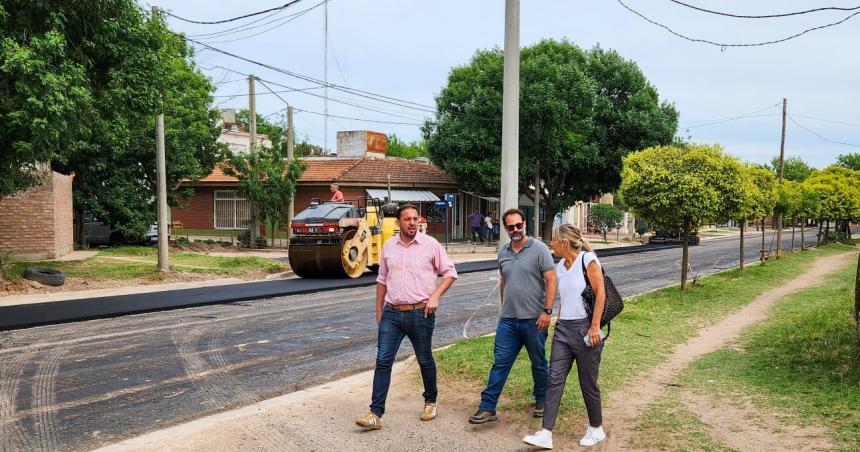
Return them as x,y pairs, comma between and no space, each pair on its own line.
622,408
322,418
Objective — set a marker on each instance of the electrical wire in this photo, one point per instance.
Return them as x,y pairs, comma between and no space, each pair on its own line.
829,120
725,45
284,21
297,110
732,118
233,19
767,16
819,135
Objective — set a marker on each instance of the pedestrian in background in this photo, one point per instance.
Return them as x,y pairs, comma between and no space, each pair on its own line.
488,227
527,284
577,338
407,298
475,221
336,194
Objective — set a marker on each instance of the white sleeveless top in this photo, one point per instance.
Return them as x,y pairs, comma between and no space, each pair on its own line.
571,283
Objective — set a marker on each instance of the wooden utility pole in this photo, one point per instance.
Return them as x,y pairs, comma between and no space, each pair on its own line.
778,219
252,149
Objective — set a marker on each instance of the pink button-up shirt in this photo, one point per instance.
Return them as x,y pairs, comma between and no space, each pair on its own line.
409,272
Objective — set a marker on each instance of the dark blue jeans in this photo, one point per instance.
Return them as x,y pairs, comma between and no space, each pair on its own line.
393,326
511,336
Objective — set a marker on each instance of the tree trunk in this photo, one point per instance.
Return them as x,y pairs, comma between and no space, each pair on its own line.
777,224
820,228
793,223
761,253
79,233
742,244
549,217
685,255
802,239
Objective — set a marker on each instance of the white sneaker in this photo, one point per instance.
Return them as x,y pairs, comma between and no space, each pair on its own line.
592,436
542,439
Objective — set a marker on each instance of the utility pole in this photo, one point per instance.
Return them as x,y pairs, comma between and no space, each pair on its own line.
778,219
161,185
161,170
537,200
325,77
511,113
291,146
252,149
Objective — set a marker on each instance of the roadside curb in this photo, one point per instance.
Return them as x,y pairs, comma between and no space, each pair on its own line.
34,314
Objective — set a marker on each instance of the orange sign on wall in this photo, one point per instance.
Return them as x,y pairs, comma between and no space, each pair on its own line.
377,142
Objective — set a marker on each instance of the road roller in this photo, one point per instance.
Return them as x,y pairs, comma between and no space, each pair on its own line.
340,239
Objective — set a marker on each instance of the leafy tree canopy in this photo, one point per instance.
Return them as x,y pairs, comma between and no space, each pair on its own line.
402,149
838,190
81,84
581,111
850,161
793,168
605,217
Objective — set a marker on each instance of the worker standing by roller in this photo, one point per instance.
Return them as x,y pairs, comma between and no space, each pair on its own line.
407,298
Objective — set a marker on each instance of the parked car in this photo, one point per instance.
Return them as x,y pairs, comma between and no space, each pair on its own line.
673,237
99,233
152,234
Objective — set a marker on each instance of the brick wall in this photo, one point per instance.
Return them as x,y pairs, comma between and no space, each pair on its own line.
199,212
37,223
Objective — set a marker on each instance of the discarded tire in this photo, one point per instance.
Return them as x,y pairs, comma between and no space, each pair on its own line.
46,276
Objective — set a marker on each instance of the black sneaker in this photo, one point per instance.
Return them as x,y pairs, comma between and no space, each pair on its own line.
538,412
481,417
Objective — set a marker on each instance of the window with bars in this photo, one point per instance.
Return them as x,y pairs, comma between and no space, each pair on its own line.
232,211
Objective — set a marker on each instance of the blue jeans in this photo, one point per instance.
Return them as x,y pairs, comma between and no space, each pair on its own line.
393,326
511,336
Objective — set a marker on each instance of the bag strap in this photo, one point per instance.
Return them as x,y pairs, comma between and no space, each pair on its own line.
584,271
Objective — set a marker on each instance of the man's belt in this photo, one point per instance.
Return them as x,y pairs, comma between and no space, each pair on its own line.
406,307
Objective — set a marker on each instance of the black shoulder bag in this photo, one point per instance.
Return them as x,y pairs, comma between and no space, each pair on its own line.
613,304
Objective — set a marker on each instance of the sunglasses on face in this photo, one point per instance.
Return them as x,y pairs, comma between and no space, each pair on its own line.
514,227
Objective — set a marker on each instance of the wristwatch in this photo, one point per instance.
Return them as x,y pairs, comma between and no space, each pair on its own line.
548,311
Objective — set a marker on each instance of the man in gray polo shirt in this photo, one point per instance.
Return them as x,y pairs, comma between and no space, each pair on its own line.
527,286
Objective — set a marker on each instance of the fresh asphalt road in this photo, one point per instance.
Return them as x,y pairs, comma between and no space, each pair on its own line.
82,385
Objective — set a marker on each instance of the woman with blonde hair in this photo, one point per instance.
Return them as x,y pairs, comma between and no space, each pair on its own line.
577,337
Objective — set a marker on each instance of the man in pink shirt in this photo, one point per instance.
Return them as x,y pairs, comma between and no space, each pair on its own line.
407,298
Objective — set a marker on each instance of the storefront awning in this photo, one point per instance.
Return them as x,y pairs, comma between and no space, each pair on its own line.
403,195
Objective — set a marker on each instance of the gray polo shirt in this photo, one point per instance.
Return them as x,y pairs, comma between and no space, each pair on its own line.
525,287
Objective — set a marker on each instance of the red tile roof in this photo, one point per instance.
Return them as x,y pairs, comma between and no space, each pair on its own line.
362,171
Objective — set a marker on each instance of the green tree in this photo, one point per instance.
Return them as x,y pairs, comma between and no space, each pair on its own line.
765,200
787,200
806,209
81,84
605,217
838,190
681,188
581,111
268,179
793,168
402,149
743,208
850,161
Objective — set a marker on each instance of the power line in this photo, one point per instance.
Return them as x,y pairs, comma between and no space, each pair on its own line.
233,19
358,119
732,118
354,91
284,21
767,16
819,135
724,45
829,120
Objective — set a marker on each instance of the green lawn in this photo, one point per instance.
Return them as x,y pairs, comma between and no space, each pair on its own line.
803,361
131,262
648,330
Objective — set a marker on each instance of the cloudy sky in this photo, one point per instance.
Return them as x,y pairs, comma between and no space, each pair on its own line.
404,49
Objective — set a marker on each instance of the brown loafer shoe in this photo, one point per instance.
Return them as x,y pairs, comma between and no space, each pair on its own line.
369,421
429,411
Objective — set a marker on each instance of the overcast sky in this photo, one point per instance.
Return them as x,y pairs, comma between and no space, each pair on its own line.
405,49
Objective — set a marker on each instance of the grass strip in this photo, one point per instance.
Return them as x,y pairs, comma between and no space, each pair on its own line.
644,335
802,362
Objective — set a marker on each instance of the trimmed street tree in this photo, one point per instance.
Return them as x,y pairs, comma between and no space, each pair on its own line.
581,111
605,217
81,84
681,188
806,209
744,207
765,182
787,199
850,161
838,191
793,168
